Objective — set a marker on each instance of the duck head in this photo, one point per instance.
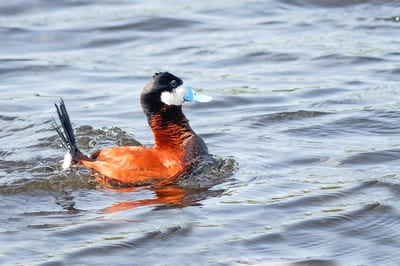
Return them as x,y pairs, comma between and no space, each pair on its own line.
166,91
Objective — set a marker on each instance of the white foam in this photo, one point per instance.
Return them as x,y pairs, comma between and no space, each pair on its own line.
331,161
67,161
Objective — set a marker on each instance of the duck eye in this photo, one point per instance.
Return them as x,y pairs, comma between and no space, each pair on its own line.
173,83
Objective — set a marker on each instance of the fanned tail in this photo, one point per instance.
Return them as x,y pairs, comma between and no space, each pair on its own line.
67,133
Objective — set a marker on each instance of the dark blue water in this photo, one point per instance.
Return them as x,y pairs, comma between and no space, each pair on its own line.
305,126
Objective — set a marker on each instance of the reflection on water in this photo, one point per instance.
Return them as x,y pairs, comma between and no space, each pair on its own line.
304,128
163,196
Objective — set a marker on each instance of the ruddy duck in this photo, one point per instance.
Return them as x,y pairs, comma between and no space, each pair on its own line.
176,146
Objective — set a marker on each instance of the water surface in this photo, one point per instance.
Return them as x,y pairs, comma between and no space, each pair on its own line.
304,124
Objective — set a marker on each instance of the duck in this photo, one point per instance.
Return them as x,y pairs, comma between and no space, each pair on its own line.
176,150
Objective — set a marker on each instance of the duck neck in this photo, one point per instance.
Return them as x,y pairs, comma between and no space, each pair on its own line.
170,128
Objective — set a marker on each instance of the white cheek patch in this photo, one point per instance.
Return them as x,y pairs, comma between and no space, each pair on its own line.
174,97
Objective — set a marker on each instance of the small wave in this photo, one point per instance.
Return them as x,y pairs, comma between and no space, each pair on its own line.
374,157
257,57
364,122
287,116
390,19
325,4
151,24
91,139
140,242
209,172
55,182
31,69
338,59
7,118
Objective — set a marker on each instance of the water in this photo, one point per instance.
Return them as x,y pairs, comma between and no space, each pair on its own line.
305,126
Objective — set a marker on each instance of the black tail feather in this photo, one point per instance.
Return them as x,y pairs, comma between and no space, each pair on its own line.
67,133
